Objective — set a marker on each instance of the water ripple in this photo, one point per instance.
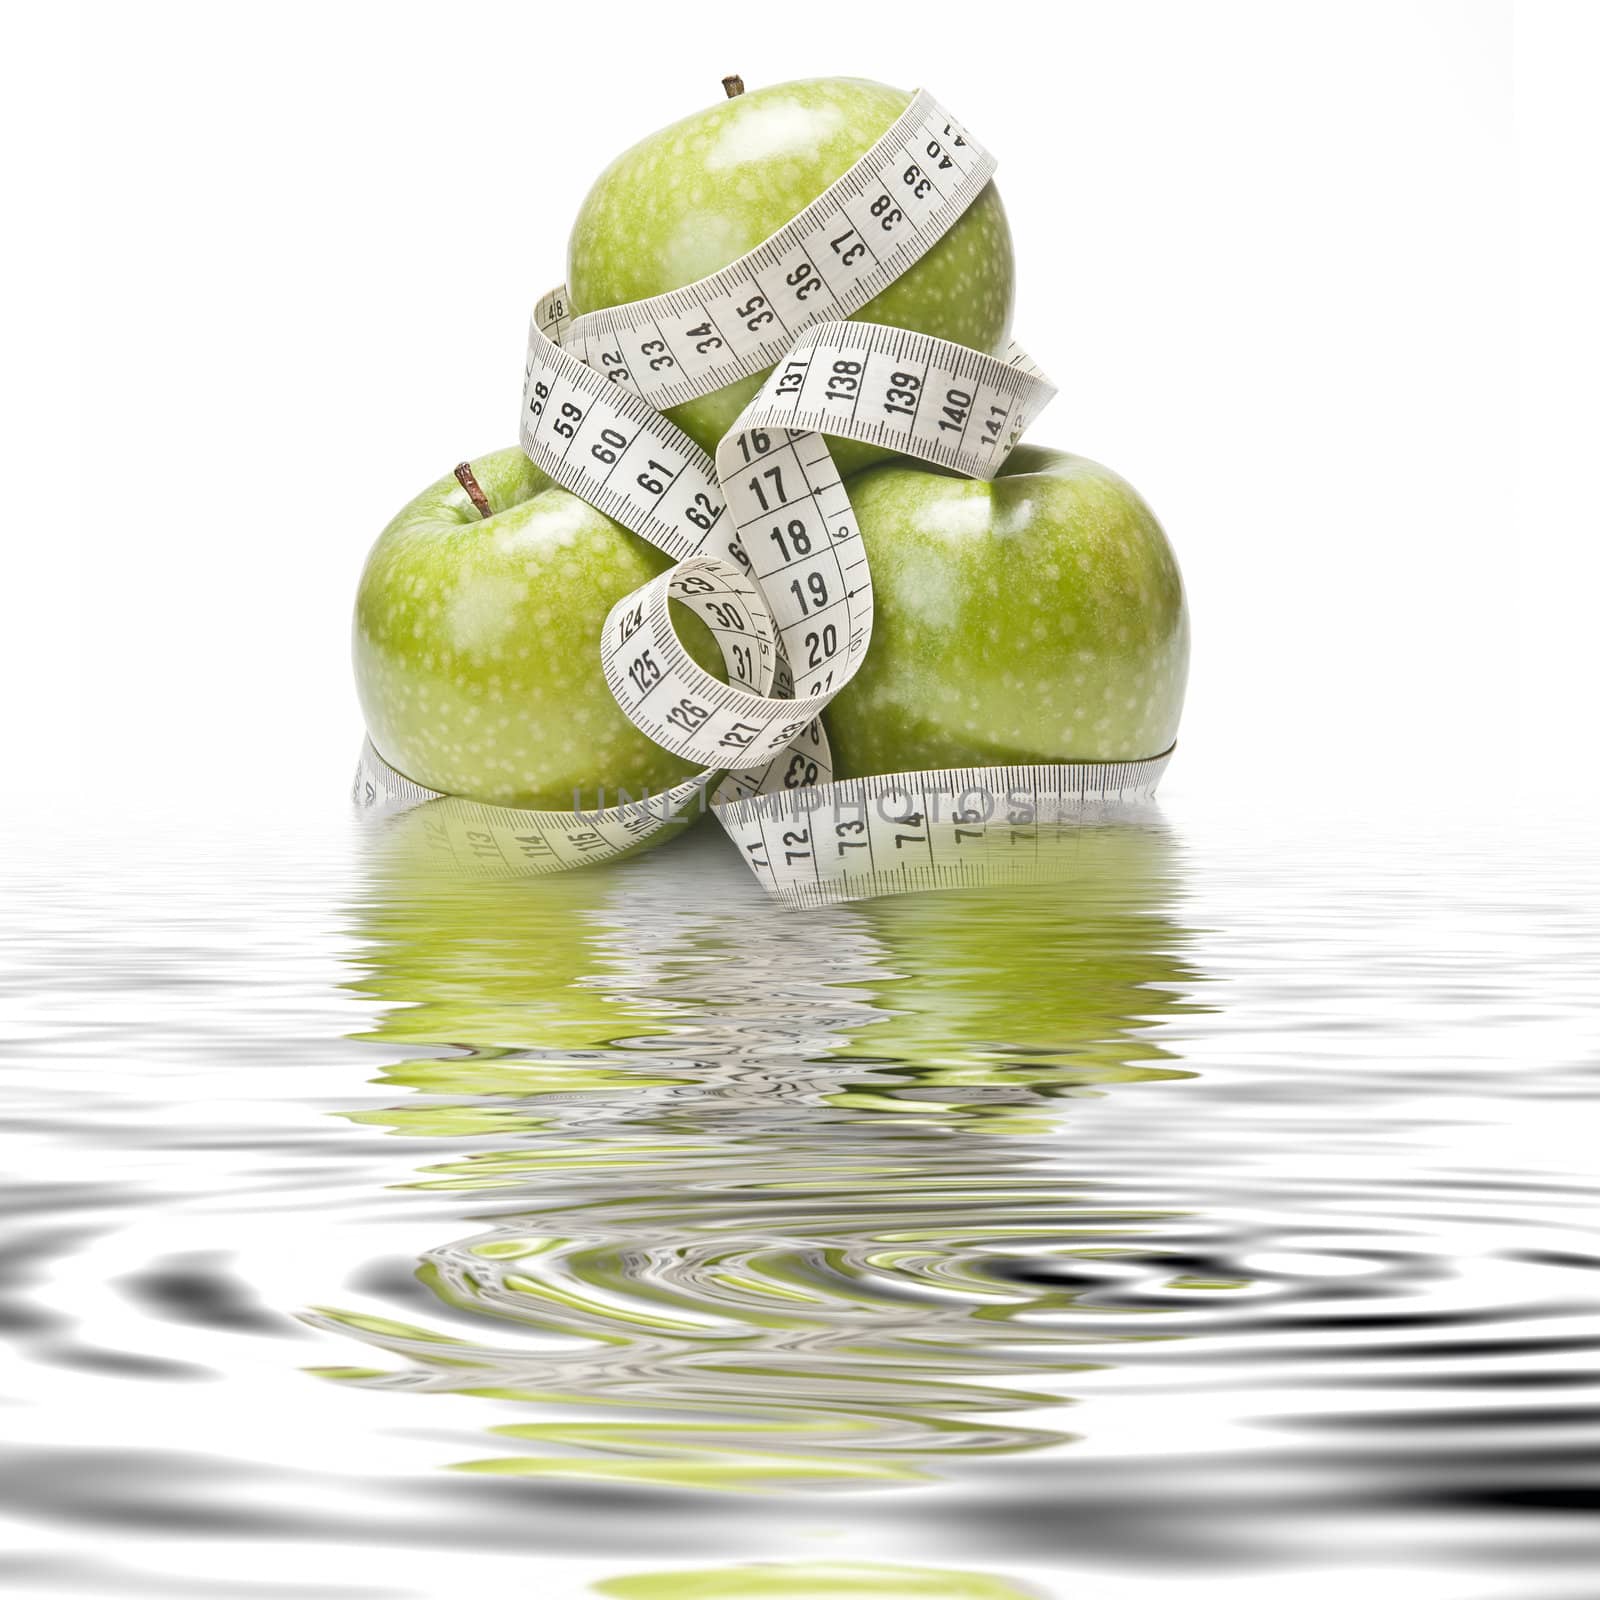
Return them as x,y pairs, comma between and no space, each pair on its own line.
1219,1203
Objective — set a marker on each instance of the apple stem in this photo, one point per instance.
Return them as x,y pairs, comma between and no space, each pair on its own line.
734,85
474,491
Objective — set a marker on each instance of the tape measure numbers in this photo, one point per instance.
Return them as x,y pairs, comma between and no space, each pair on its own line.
917,830
509,842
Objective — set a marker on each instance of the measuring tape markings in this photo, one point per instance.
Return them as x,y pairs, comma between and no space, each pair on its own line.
792,529
855,380
508,841
886,828
764,538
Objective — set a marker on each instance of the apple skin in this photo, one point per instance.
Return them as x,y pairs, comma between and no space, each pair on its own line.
476,644
688,200
1038,618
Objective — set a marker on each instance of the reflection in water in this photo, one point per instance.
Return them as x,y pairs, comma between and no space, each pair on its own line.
1221,1213
782,1581
776,1198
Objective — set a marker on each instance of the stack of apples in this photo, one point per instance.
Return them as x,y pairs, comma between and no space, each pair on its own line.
1037,618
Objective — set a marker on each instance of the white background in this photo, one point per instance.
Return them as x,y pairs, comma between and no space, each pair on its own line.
1290,264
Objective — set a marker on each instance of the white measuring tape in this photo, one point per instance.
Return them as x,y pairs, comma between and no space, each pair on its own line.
765,540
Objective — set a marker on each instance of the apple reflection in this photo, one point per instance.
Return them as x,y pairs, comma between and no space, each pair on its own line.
778,1198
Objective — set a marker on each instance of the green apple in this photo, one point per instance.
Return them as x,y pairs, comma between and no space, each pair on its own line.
1037,618
688,200
476,644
